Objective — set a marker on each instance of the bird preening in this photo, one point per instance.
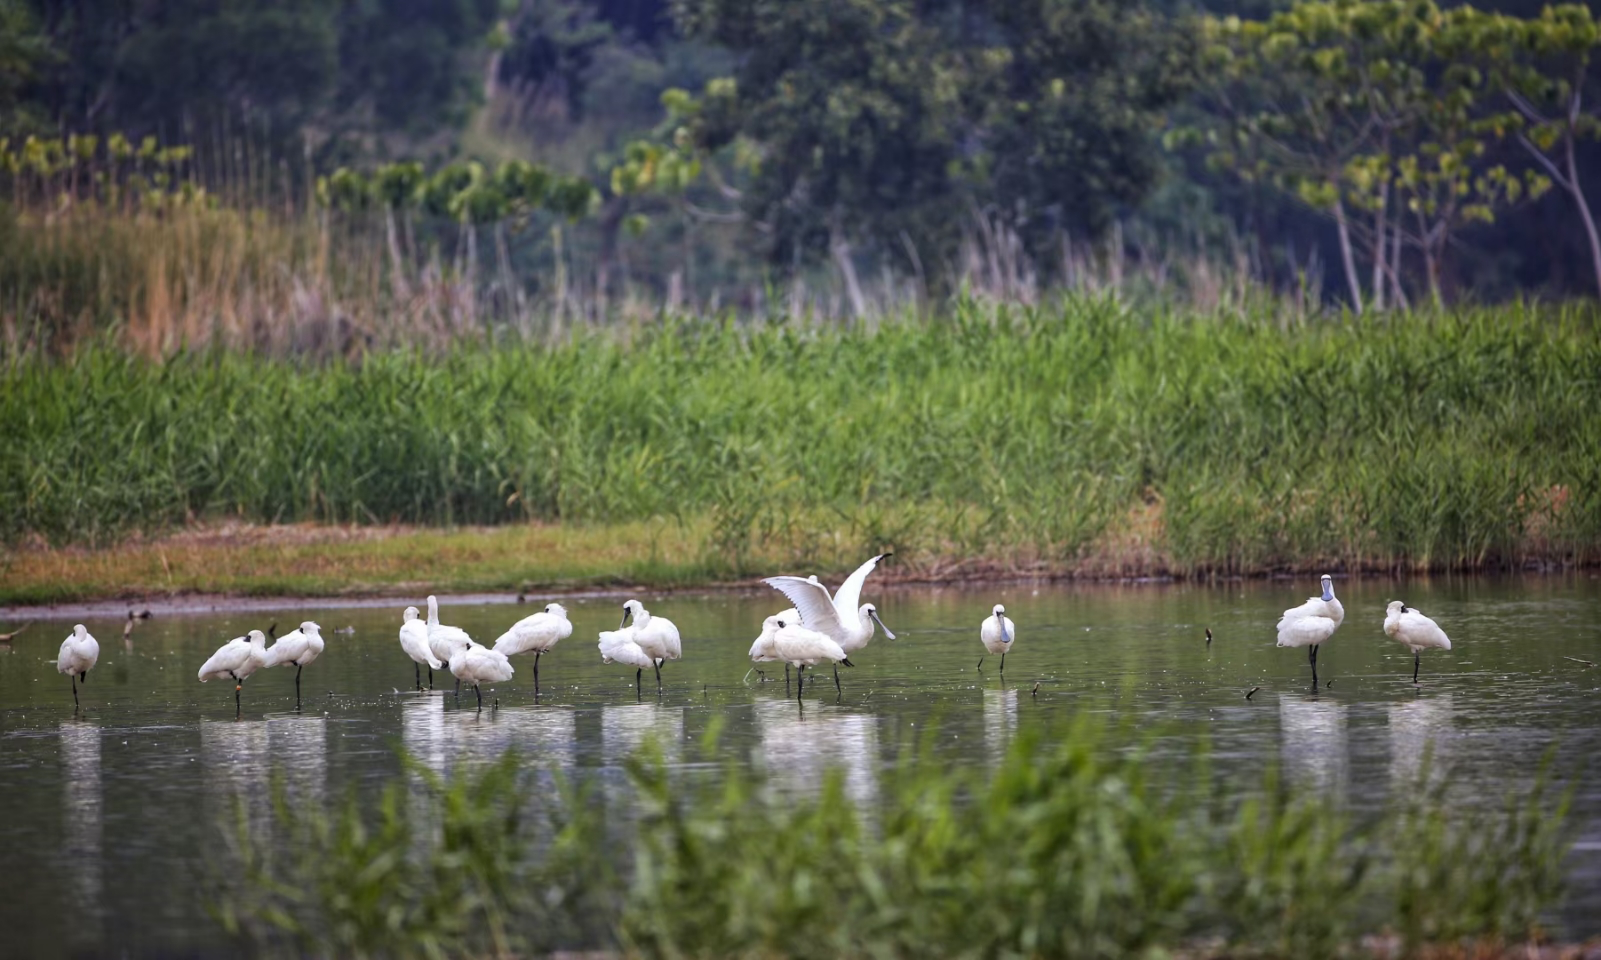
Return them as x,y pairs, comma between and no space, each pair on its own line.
1411,629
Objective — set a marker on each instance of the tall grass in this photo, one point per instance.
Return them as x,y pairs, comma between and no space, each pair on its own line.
1081,437
1070,847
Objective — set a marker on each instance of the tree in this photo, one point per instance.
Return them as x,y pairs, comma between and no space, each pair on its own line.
1542,65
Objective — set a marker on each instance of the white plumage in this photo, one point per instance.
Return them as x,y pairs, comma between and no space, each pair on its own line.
997,633
442,640
414,640
784,639
1414,631
296,649
1312,623
656,637
237,659
537,635
79,653
618,646
838,617
475,663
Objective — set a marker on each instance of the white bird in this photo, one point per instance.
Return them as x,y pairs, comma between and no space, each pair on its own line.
414,640
761,651
475,663
296,649
79,653
536,634
656,636
619,646
1312,623
237,659
837,617
998,631
442,640
1410,628
795,644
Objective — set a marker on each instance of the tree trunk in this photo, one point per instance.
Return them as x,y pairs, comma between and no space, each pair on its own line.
397,264
840,248
1347,258
1379,248
1584,212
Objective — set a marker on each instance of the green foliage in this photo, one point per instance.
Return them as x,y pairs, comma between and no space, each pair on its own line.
1459,439
1068,847
479,876
461,191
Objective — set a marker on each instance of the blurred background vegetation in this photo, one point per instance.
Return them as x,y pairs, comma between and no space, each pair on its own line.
327,175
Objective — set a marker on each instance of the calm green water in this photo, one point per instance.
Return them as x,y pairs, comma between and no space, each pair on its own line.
110,818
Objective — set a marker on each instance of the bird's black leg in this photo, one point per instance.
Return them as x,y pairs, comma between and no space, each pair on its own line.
458,688
74,681
1003,663
836,679
658,676
536,671
298,668
786,673
417,668
1312,659
430,678
480,696
1417,660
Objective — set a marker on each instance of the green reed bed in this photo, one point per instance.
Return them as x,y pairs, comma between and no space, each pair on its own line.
1080,437
1071,846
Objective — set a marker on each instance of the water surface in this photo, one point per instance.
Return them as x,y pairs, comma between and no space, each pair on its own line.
110,833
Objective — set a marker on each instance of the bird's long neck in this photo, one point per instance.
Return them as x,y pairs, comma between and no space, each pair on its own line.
433,613
641,619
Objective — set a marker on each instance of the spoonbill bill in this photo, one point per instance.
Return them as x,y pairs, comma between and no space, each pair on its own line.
656,636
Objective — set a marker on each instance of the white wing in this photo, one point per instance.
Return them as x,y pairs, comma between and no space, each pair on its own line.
811,600
1419,631
849,594
289,648
414,640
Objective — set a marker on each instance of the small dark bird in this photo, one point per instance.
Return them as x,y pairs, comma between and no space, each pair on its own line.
143,614
522,597
1209,636
1036,689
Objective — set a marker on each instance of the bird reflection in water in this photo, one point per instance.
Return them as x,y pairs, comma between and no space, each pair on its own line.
1000,721
1313,744
799,748
81,822
1420,738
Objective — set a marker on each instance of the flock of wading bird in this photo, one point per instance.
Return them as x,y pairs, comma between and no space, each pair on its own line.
818,629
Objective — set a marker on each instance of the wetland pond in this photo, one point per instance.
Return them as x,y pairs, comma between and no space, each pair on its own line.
111,818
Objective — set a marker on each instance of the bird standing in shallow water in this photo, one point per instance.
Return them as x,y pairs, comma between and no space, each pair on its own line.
1312,623
296,649
79,653
237,659
618,646
537,635
789,641
1410,628
414,640
475,663
997,632
837,617
442,640
656,636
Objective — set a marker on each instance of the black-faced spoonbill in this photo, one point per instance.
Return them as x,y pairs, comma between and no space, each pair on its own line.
296,649
807,648
442,640
838,617
997,632
475,663
79,653
657,636
237,659
537,635
414,640
1406,626
1312,623
618,646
